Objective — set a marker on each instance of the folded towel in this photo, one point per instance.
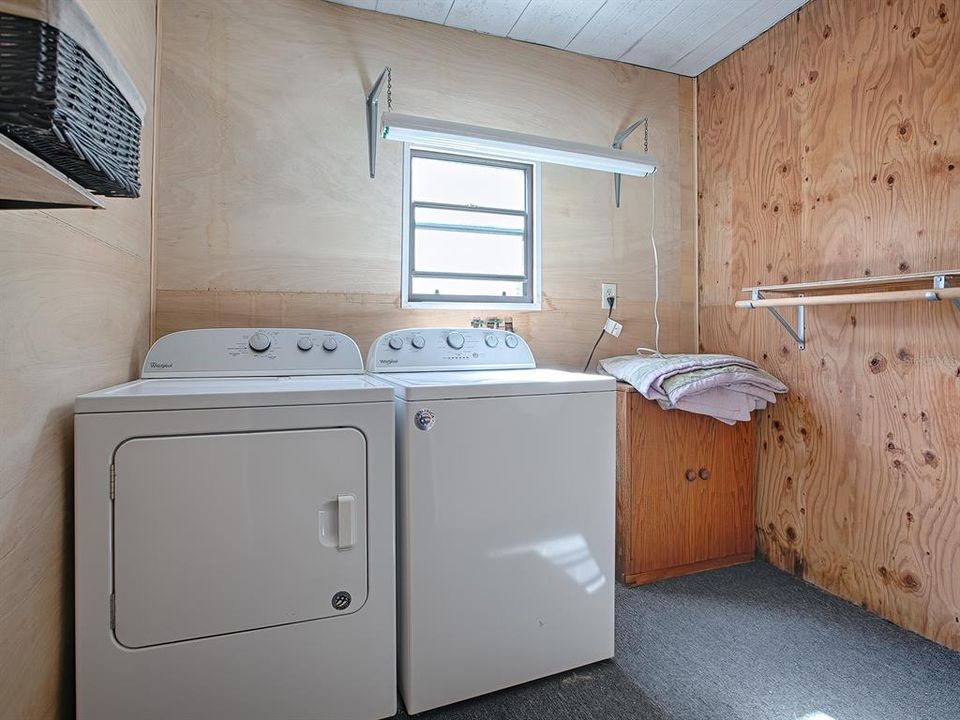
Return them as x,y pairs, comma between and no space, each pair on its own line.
725,387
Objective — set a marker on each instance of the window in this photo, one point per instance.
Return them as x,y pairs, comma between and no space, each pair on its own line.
470,236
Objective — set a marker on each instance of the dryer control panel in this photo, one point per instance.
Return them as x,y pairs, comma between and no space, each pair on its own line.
437,349
252,352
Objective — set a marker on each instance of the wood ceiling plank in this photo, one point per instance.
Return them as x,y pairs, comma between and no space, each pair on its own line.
547,22
617,26
434,11
686,26
494,17
680,36
736,33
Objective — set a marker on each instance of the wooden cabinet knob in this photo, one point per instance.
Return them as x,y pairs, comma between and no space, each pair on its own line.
704,474
690,475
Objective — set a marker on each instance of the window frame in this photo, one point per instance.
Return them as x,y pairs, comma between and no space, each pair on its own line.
531,299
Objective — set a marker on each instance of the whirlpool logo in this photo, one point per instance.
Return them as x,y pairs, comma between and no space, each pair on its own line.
387,361
154,365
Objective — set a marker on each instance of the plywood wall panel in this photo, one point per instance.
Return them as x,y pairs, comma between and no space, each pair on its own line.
749,222
263,185
74,315
858,477
371,315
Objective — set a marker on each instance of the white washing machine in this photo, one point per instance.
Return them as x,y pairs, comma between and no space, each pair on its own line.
506,508
235,533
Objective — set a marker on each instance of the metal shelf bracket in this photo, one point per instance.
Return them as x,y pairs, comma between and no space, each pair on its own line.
797,334
942,282
373,116
618,141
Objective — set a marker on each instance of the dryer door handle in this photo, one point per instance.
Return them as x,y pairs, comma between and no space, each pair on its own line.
346,515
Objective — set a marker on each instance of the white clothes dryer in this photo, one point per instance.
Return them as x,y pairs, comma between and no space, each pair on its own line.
235,533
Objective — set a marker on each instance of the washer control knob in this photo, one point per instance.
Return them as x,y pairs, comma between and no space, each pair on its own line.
512,341
330,344
491,341
395,342
305,343
418,342
455,340
259,342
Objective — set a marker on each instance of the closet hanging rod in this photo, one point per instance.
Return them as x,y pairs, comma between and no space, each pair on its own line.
945,286
952,293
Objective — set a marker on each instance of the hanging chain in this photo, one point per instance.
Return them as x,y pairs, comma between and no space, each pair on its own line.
389,88
621,136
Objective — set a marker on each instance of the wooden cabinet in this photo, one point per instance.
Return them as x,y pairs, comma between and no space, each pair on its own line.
684,491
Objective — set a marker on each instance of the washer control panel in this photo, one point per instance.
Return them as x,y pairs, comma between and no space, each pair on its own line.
252,352
426,349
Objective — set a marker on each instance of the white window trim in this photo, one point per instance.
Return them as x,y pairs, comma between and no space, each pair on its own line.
407,303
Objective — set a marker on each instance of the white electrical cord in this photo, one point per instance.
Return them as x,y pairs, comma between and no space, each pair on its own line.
656,270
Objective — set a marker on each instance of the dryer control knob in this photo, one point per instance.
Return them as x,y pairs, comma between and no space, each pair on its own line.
491,341
395,343
259,342
330,344
418,342
455,340
512,341
305,343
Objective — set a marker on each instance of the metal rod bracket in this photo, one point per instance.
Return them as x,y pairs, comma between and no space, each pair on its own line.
942,282
797,334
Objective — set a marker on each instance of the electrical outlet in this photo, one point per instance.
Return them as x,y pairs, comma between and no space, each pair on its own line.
608,290
613,327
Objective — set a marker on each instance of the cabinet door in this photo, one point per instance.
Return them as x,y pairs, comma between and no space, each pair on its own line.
692,488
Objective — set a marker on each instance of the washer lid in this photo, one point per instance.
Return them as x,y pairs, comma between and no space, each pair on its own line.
494,383
202,393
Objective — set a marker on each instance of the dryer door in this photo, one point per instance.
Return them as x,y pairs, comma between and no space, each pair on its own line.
218,534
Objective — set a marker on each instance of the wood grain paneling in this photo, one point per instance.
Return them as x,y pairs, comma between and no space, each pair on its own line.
369,315
74,315
830,147
266,211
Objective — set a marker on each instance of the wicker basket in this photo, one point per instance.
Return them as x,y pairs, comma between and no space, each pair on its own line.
59,104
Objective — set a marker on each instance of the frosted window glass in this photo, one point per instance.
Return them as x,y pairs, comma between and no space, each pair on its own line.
433,217
470,184
470,229
469,253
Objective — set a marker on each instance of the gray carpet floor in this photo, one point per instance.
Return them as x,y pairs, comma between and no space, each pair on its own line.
743,643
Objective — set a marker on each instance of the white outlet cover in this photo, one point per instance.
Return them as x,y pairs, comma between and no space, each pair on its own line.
606,290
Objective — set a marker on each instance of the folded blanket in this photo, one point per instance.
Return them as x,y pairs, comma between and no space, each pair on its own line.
725,387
